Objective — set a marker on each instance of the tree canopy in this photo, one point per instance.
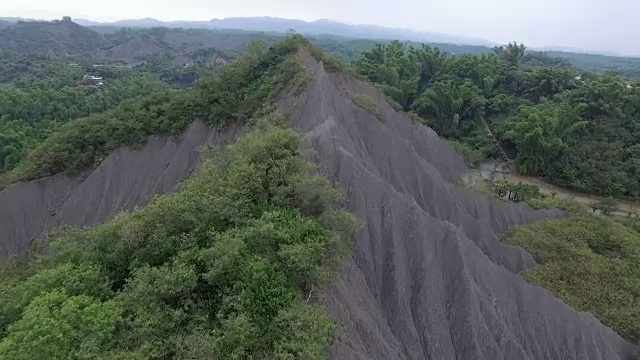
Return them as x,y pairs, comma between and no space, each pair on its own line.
225,268
578,130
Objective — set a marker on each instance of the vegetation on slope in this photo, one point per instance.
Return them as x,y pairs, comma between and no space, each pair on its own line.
225,268
590,262
31,110
234,95
58,37
580,131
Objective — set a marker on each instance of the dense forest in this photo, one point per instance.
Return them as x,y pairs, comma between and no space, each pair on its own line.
51,94
577,130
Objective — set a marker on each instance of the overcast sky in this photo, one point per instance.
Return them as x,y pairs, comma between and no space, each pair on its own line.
603,25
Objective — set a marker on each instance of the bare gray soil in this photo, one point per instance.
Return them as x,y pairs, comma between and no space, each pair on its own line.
125,179
427,277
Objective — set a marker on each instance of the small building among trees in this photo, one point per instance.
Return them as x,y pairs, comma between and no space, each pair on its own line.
92,80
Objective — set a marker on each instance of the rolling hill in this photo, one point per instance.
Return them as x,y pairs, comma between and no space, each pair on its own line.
319,27
56,38
184,37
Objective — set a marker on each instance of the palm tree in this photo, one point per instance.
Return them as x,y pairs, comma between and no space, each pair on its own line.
432,62
513,53
449,106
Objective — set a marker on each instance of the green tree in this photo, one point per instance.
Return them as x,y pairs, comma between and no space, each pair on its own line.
450,108
58,326
541,133
607,205
512,53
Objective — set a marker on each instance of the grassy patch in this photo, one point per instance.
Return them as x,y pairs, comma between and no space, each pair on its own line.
302,76
367,103
472,156
415,117
591,263
476,183
331,63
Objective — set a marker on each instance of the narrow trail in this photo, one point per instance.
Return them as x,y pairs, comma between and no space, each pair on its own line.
624,208
498,171
495,141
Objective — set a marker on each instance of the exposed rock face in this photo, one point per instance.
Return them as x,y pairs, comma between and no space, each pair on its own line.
428,278
127,178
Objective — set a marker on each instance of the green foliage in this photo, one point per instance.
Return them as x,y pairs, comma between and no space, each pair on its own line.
234,95
555,202
472,156
512,53
516,192
634,224
57,326
591,263
450,108
331,63
32,110
540,134
607,205
224,268
579,131
302,76
366,102
19,67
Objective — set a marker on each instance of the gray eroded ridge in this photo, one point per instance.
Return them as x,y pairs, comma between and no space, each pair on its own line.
125,179
427,277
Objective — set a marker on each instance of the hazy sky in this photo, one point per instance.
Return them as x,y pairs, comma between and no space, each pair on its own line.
603,25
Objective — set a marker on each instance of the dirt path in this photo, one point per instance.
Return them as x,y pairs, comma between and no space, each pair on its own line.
624,207
495,171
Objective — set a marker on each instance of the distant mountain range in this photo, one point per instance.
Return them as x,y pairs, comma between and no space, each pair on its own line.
575,50
83,37
315,28
270,24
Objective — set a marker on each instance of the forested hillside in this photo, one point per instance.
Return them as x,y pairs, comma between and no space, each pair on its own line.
59,37
51,93
628,66
578,130
39,93
233,95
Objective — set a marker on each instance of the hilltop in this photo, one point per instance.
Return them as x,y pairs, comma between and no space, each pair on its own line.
183,46
50,38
